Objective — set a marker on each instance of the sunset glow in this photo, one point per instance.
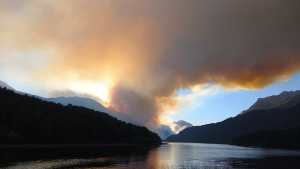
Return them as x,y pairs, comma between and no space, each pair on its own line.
100,90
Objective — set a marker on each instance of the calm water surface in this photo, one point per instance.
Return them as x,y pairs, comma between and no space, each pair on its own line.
168,156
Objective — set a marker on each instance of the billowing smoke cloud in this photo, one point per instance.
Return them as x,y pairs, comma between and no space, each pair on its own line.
141,108
148,49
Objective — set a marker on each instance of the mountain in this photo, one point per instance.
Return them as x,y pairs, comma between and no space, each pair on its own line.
29,120
269,115
93,105
181,125
282,100
4,85
164,131
286,138
79,101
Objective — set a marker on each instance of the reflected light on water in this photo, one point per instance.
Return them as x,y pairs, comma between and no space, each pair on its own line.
167,156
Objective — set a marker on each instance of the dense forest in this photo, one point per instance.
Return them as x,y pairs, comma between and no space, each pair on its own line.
29,120
274,127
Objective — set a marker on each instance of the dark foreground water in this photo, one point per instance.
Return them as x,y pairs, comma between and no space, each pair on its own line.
168,156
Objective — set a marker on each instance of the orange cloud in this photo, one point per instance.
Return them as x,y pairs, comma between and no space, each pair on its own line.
148,49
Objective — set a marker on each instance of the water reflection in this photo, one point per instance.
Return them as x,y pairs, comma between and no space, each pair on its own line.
168,156
192,156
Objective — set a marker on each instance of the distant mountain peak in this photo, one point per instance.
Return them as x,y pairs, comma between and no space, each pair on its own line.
165,131
275,101
80,101
183,122
181,125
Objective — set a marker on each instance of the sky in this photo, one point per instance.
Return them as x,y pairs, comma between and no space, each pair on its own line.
156,60
222,104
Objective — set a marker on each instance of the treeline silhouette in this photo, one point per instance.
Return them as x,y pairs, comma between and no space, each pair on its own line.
276,127
29,120
288,138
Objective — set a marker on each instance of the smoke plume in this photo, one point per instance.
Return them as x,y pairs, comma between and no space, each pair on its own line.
147,49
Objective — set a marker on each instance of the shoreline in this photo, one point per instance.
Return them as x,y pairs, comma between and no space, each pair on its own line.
5,146
244,146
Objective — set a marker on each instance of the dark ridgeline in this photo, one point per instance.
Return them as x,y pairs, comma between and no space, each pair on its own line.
271,124
29,120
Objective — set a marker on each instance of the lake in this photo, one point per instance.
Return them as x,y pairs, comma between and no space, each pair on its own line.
167,156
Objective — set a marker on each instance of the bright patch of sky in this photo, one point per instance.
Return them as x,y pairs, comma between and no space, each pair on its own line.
220,104
17,66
